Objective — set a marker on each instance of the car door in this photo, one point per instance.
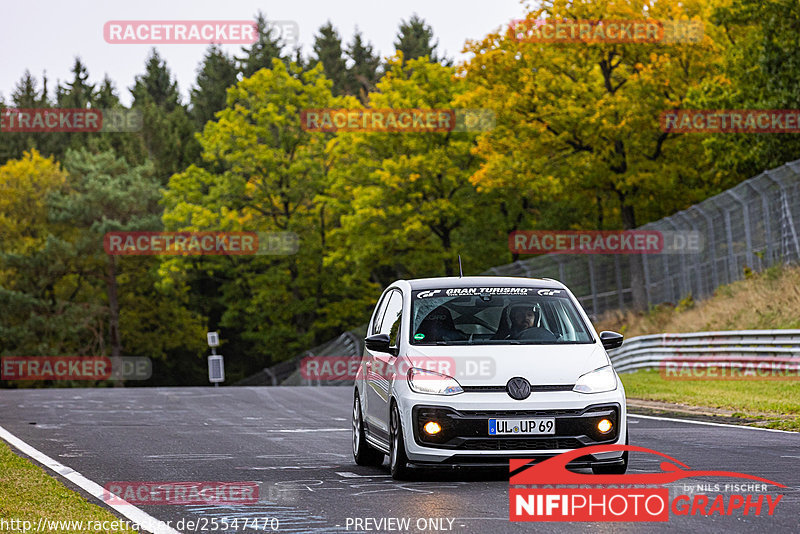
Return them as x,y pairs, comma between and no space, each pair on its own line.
380,367
367,356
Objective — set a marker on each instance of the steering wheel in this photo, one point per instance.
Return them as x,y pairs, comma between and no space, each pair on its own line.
538,333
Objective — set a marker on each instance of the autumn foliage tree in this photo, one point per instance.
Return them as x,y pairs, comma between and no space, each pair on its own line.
578,123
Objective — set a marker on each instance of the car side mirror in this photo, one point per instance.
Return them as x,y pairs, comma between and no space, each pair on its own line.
378,343
611,340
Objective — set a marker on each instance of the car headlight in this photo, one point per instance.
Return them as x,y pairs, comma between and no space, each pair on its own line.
597,381
423,381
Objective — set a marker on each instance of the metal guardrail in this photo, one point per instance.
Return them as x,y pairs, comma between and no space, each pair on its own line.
647,352
287,373
347,345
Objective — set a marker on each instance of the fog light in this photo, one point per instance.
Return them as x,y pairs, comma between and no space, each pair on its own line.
432,427
604,426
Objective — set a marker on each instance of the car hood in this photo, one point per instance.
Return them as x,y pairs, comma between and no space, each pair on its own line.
495,365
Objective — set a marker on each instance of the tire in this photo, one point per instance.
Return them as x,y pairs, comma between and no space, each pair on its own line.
398,461
614,469
363,453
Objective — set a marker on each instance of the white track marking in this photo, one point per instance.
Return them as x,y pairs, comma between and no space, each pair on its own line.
134,514
693,422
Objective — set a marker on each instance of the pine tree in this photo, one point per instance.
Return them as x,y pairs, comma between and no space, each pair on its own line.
363,74
167,133
25,94
328,51
107,194
263,51
415,39
215,75
299,60
78,93
106,96
156,85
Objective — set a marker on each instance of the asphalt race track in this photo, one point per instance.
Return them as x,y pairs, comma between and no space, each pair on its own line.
296,443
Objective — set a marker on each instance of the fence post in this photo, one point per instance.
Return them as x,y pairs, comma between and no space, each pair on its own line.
696,255
618,275
667,278
731,258
788,232
765,209
746,219
646,269
712,249
683,279
592,285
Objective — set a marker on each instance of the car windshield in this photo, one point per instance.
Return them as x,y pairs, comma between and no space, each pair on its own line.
495,316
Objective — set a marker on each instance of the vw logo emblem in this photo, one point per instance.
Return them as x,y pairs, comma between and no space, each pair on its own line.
518,388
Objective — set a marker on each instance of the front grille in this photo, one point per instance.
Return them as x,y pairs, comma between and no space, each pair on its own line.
533,444
502,389
520,413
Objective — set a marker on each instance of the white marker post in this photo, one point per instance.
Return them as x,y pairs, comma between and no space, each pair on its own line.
216,365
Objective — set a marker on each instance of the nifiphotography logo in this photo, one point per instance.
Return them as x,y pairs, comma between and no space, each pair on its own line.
548,491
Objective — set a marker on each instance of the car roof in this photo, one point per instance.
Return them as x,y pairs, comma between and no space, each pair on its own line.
483,281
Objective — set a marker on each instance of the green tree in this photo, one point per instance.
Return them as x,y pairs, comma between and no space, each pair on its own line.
364,71
760,72
260,54
328,51
578,127
215,75
26,94
78,93
415,39
406,203
263,173
156,85
107,194
107,96
167,136
40,312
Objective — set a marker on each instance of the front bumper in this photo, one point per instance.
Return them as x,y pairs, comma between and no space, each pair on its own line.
464,437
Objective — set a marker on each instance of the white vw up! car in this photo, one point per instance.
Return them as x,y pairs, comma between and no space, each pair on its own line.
478,370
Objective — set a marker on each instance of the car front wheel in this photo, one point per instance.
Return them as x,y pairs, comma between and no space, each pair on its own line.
398,461
363,453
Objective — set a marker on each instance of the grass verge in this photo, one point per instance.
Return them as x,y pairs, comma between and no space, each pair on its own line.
761,301
765,403
27,493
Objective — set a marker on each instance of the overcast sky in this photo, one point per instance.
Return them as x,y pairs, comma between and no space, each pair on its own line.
46,35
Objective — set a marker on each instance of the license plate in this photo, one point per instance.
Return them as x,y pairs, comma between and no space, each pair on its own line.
519,427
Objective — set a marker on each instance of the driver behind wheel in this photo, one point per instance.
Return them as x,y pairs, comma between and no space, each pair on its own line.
522,318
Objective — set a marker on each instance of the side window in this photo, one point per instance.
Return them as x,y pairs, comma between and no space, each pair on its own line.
391,320
379,312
